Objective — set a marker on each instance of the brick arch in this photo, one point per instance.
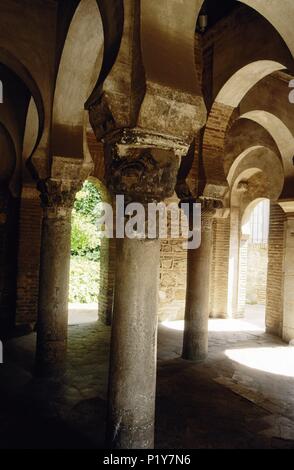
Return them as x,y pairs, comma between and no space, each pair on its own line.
96,151
279,19
219,122
221,118
245,134
258,159
283,139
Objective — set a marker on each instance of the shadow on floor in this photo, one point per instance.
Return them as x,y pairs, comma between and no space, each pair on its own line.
219,403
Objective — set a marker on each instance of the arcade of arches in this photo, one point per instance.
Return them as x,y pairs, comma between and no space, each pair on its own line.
159,101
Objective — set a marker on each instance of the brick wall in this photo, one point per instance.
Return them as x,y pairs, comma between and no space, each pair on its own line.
28,256
97,154
218,125
274,303
219,268
9,210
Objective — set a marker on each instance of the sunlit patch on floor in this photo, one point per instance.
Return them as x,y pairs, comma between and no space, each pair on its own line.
276,360
219,325
79,314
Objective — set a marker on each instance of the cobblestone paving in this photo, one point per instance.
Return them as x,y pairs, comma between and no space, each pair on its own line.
220,403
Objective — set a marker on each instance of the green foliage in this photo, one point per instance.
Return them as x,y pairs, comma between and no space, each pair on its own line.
85,238
87,201
84,280
85,247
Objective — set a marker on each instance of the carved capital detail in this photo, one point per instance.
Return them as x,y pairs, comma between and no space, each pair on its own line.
58,192
139,171
57,196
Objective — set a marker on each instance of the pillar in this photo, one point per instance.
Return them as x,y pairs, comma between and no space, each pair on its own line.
141,175
234,258
195,341
220,268
134,340
275,273
52,321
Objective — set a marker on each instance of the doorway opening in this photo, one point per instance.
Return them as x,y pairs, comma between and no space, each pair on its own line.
254,261
85,256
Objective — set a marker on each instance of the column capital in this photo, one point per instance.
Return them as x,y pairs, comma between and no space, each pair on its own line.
57,193
125,138
58,196
141,166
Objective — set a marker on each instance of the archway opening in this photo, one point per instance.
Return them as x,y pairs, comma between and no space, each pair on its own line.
85,256
253,263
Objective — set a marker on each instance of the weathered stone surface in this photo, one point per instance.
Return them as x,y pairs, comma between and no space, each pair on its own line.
133,350
195,342
142,175
57,198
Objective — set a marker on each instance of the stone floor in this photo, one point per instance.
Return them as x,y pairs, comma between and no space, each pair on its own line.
241,397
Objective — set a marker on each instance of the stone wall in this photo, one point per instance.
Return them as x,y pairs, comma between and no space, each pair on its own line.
274,303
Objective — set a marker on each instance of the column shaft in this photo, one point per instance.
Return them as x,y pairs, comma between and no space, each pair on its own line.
53,294
132,378
195,342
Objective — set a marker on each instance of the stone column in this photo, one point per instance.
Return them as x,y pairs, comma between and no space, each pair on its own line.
195,342
142,175
133,350
57,198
